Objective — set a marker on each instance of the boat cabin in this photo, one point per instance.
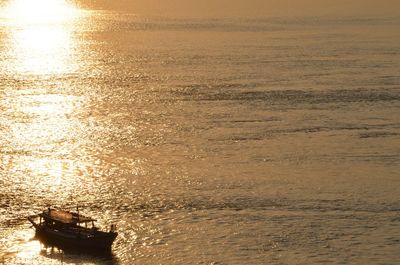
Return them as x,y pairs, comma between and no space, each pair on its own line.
62,218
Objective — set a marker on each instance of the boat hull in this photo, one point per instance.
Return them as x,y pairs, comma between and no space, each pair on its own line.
102,241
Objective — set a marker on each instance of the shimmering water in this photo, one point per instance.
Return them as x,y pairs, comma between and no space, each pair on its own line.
207,141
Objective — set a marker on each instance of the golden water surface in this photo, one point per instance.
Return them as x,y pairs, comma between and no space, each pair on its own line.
207,141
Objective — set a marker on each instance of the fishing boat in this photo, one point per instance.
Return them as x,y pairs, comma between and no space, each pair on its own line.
71,229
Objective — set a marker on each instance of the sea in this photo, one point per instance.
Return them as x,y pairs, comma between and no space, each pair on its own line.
268,140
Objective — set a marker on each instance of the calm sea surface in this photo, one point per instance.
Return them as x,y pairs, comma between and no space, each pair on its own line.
225,141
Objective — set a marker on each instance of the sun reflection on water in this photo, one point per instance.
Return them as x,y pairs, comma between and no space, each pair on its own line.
45,120
43,51
23,12
38,115
26,248
41,36
29,250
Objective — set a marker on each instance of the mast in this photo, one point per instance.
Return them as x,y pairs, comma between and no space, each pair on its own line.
77,210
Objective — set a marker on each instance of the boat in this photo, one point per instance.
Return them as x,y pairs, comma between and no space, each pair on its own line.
71,230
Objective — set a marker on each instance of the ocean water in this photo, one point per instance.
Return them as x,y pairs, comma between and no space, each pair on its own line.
206,141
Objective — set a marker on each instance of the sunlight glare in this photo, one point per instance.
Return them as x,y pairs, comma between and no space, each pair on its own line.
41,35
29,250
40,11
43,50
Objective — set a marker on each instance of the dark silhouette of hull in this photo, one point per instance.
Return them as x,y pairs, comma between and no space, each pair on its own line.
83,240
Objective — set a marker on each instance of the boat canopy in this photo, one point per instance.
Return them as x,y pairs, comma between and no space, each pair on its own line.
65,217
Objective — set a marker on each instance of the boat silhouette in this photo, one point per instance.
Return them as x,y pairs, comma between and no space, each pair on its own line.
67,229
